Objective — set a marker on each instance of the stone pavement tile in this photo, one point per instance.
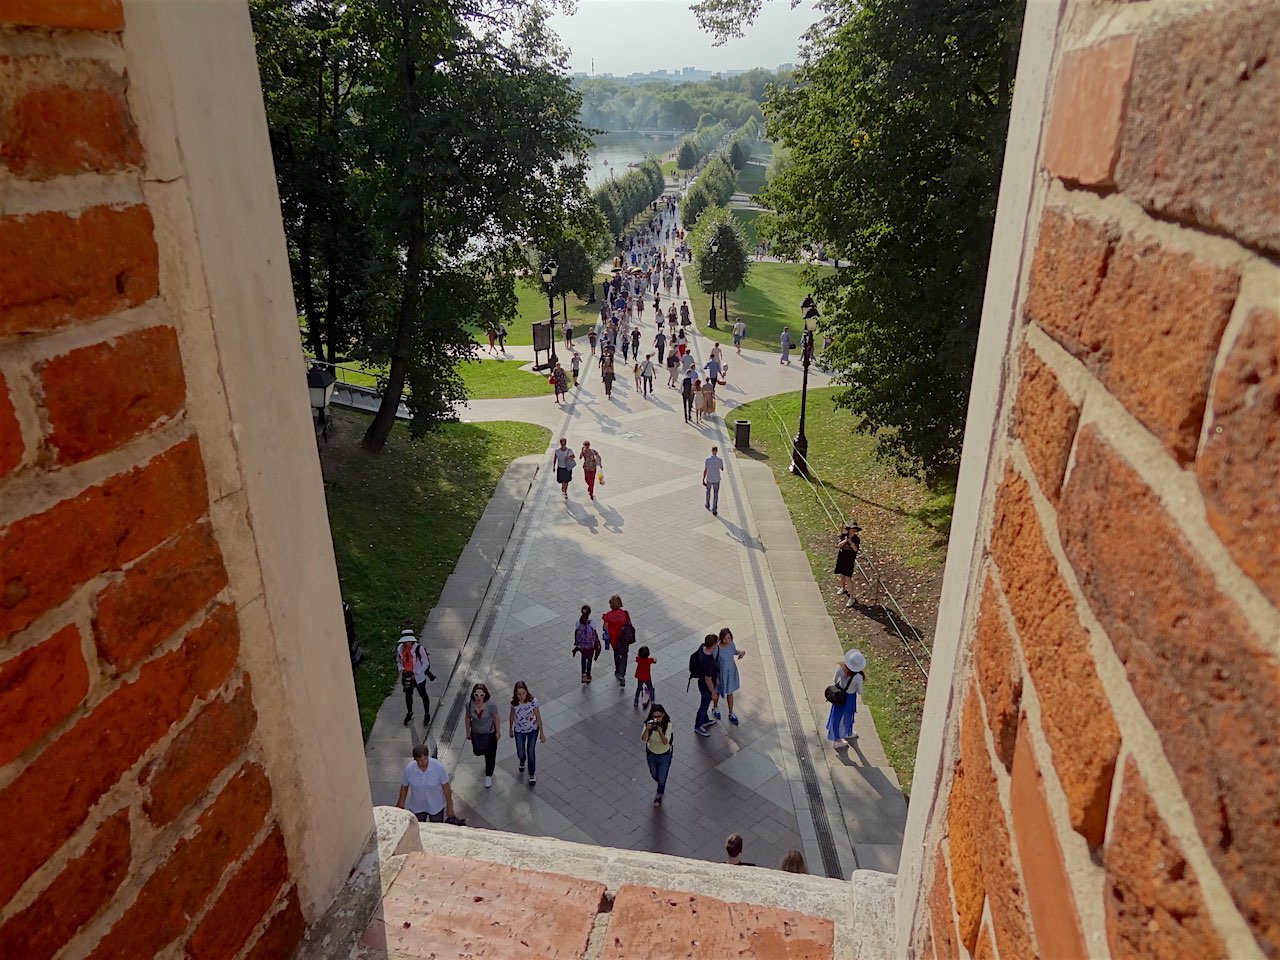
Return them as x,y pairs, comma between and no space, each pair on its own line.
441,907
651,924
878,856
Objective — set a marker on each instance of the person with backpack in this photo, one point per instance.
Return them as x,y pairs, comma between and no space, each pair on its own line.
415,671
619,633
586,642
704,666
646,374
843,697
658,739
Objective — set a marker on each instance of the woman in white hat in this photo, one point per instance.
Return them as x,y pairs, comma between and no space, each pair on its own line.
850,675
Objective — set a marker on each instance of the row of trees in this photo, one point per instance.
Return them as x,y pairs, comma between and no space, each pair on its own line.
698,144
413,141
742,143
611,104
717,181
621,200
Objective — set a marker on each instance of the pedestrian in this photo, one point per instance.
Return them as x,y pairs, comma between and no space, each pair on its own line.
699,400
592,337
424,787
728,655
711,322
685,318
686,394
591,462
493,340
704,666
644,678
620,633
415,671
847,548
733,851
606,373
646,373
711,470
739,331
671,317
713,368
660,343
673,367
843,697
658,739
635,341
502,337
635,370
682,345
708,398
626,345
483,729
793,862
525,728
576,364
559,382
677,284
785,342
586,642
564,462
568,333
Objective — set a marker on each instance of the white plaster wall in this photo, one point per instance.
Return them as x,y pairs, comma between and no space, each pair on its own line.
209,179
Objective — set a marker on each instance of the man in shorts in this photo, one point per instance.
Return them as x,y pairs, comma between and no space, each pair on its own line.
739,331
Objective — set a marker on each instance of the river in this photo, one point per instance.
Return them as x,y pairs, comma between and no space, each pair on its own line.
614,150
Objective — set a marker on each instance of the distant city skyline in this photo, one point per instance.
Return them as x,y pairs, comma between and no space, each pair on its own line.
641,36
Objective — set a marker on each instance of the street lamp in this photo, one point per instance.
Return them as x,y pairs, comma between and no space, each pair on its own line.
714,247
548,278
320,386
800,446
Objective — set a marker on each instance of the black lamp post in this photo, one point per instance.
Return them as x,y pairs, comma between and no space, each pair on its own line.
320,386
800,446
548,279
714,247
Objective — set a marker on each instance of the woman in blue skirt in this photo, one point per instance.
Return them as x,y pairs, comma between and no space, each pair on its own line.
849,677
727,655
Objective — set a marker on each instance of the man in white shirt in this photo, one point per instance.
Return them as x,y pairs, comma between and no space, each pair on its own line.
739,331
424,788
711,469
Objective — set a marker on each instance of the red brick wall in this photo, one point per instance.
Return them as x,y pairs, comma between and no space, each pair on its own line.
136,814
1113,784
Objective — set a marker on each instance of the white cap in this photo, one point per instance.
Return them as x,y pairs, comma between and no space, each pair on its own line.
855,661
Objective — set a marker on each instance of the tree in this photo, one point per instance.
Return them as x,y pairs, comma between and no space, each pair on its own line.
686,157
736,155
725,268
895,132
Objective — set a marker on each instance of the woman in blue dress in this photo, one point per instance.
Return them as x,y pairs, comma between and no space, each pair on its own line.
849,677
728,654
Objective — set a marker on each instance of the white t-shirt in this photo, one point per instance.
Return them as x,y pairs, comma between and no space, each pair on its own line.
739,328
714,465
564,458
426,787
850,685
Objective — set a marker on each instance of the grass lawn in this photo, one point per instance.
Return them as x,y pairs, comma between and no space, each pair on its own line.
498,379
904,531
748,220
752,177
400,520
531,307
770,300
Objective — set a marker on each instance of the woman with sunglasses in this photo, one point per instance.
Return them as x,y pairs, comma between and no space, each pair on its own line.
657,738
483,729
525,727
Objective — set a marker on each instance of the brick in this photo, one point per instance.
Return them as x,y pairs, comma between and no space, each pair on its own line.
999,674
72,14
84,887
966,863
1146,321
942,913
115,734
1044,419
11,443
1239,467
62,269
437,902
180,887
47,556
1210,690
652,924
986,949
217,736
101,396
158,594
1197,145
986,815
1078,722
1083,139
1153,900
280,938
246,899
1053,909
64,117
39,688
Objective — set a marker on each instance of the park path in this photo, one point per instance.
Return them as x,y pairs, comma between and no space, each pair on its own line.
681,573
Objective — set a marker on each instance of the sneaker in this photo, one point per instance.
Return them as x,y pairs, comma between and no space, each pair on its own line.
520,769
532,781
842,592
657,801
588,678
426,721
849,603
715,713
622,682
702,731
733,718
711,720
408,719
488,782
851,739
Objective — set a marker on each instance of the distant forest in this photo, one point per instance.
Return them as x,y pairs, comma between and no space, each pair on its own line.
609,104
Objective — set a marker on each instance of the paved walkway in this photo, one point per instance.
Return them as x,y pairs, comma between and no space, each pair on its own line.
681,573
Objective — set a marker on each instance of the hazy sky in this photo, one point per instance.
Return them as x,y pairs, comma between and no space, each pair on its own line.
628,36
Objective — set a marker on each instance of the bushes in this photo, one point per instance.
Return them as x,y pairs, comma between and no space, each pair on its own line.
698,144
623,199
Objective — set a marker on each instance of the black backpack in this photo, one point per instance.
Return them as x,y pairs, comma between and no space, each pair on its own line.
695,667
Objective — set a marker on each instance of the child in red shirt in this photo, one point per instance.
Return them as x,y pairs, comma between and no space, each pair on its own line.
644,675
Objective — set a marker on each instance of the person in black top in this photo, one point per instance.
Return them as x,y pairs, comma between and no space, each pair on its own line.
846,560
707,665
686,393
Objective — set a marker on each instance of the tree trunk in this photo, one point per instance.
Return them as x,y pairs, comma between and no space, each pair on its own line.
315,328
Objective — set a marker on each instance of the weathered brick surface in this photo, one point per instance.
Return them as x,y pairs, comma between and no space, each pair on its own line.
1152,896
966,863
986,815
83,887
999,674
157,595
280,938
46,556
181,885
38,690
986,949
246,899
1045,419
1195,664
62,269
210,743
1198,145
63,117
62,785
73,14
1053,908
942,912
1083,138
101,396
1076,714
1239,468
1145,320
11,444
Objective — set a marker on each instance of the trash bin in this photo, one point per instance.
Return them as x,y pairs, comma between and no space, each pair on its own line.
742,434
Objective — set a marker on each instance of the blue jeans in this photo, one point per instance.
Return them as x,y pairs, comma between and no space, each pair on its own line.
703,718
713,496
659,767
526,749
